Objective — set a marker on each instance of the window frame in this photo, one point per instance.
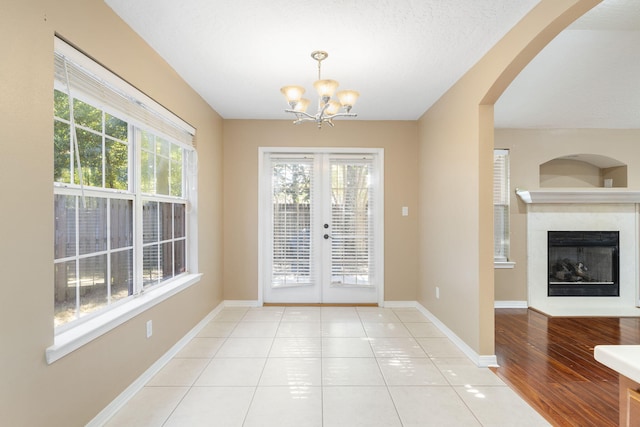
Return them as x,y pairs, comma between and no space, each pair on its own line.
76,333
501,197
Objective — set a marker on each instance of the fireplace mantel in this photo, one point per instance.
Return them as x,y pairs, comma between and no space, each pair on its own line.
591,195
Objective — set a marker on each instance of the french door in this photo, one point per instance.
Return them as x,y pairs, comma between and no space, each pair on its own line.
321,227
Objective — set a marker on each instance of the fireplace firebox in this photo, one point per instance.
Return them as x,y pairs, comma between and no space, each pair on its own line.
583,263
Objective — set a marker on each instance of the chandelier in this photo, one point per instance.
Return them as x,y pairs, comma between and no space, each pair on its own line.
328,109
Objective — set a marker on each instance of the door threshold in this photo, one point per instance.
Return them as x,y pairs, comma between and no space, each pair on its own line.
312,304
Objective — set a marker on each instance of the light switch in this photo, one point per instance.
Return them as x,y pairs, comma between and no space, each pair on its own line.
405,211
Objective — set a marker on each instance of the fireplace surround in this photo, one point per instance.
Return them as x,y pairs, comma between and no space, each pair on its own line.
583,210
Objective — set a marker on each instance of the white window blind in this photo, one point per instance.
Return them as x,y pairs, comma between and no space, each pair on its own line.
501,205
352,207
104,90
293,261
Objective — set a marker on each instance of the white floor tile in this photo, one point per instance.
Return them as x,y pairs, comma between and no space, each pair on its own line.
423,330
499,406
339,314
285,407
410,315
324,367
295,371
301,314
179,372
431,406
397,347
462,371
410,371
379,315
245,347
264,314
354,371
244,372
230,315
346,347
255,330
201,347
299,329
217,329
150,407
296,347
440,347
342,329
207,406
358,406
386,329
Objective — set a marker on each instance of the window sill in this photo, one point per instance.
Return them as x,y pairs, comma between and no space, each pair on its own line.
74,338
504,264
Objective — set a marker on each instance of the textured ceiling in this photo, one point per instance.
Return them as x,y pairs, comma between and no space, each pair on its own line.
401,55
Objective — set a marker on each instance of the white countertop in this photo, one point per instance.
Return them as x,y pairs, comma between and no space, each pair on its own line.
625,359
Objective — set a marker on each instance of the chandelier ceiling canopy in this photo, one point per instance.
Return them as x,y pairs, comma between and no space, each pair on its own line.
328,108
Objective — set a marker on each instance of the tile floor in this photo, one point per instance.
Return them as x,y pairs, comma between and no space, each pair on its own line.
324,366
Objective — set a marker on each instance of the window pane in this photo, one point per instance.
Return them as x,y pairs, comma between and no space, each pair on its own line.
117,165
92,225
60,104
90,147
115,127
176,178
147,173
64,292
148,141
65,226
87,115
61,152
166,257
179,257
121,223
121,275
150,273
162,147
150,222
166,221
93,289
162,175
179,223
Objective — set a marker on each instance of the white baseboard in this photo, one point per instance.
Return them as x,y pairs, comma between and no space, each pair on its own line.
117,403
511,304
482,361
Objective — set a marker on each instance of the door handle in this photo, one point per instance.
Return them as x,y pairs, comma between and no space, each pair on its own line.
326,236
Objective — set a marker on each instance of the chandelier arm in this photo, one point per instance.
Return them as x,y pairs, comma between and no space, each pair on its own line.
299,114
343,115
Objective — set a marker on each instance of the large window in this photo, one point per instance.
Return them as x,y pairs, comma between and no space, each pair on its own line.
122,173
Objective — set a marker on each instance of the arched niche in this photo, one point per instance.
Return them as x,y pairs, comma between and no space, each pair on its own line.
583,170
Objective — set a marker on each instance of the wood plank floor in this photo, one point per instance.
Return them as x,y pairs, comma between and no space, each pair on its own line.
549,362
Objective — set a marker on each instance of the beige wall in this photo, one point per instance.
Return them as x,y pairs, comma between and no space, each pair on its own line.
528,149
241,141
74,389
456,141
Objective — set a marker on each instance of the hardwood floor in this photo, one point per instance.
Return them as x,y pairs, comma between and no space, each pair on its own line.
549,362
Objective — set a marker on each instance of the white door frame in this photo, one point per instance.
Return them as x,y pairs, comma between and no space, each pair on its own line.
264,200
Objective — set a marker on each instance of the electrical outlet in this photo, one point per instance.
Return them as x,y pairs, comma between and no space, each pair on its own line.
149,328
437,292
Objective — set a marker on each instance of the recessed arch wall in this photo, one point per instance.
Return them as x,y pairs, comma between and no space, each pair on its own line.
456,140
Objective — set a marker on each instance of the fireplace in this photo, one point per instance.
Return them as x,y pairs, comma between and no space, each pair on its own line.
583,263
